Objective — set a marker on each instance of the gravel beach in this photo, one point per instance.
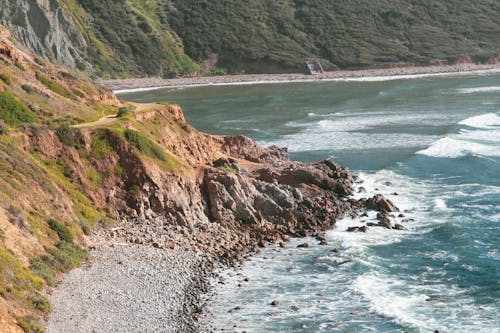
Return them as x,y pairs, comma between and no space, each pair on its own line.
130,288
137,84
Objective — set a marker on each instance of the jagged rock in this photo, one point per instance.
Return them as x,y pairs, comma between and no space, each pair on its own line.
385,220
361,229
380,203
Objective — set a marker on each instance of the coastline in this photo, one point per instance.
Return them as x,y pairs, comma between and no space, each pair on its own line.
123,86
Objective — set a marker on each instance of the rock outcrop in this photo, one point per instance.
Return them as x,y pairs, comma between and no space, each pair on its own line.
42,26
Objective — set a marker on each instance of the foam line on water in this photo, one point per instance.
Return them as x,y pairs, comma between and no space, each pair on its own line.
482,140
479,90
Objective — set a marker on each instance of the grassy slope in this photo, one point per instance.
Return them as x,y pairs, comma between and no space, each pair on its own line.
259,35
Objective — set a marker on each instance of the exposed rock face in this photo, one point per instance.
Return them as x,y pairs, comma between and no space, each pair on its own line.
42,26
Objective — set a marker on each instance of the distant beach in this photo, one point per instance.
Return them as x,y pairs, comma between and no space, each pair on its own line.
377,74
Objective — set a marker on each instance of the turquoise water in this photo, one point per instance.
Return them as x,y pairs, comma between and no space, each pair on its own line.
435,141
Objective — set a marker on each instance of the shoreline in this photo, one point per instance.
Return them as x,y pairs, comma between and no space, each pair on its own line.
123,86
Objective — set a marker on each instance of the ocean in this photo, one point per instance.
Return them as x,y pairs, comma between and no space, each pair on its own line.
430,144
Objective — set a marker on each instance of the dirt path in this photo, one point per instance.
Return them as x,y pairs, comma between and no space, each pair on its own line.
106,120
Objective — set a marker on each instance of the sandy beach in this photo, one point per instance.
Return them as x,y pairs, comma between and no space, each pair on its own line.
152,83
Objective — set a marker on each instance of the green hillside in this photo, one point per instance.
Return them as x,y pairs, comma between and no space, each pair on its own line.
130,38
259,35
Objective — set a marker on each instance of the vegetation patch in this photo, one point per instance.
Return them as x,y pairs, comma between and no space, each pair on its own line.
54,86
64,257
67,135
125,111
27,88
6,78
41,303
13,111
62,231
20,66
100,147
30,324
144,145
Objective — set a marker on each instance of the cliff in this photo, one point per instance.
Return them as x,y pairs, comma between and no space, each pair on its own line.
74,159
169,37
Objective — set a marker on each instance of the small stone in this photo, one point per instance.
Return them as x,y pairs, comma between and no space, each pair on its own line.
304,245
234,309
275,302
336,250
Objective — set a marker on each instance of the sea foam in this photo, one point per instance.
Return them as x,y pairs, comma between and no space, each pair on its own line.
482,140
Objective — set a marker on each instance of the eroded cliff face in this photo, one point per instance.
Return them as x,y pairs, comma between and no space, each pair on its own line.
73,160
42,26
222,195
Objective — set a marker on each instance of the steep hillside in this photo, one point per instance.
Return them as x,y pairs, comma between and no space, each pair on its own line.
108,38
73,159
260,35
147,38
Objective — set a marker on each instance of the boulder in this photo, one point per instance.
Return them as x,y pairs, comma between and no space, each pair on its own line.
381,203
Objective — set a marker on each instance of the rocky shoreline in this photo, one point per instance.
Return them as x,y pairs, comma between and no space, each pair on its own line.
150,271
137,84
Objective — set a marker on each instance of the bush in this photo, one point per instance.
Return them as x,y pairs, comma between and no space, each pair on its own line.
123,111
30,324
66,135
62,258
29,89
12,111
41,303
144,145
54,86
100,147
86,227
66,256
62,231
42,268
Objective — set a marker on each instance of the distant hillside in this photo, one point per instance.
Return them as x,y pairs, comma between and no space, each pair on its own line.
121,38
357,33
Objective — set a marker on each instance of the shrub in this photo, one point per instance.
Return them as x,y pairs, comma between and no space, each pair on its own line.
12,111
144,145
100,147
62,231
17,216
54,86
67,256
42,268
29,89
62,258
30,324
123,111
86,227
66,135
6,79
41,303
